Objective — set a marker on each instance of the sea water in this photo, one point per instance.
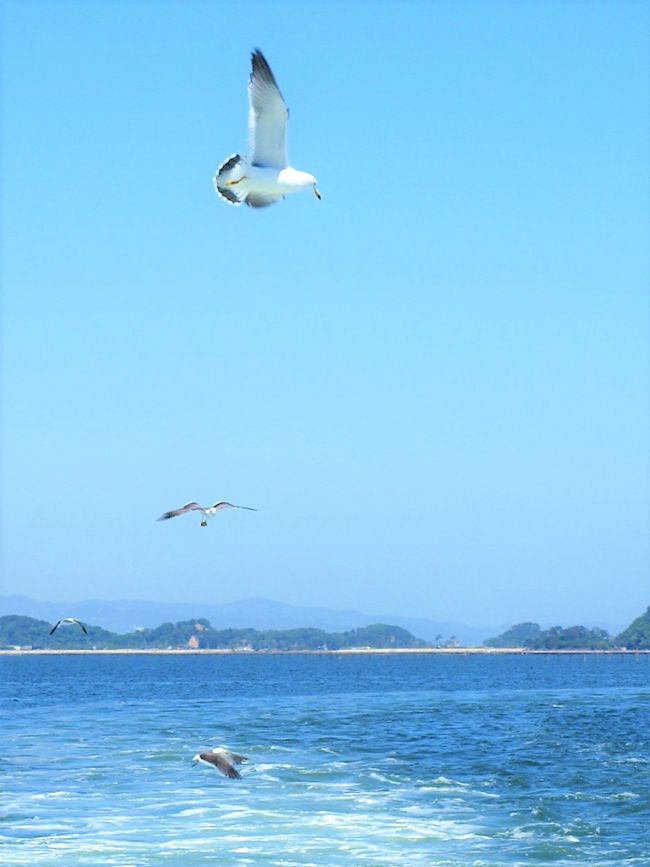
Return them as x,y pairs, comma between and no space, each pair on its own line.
356,759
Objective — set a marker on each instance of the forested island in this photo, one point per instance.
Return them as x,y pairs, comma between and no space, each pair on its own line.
533,637
21,632
17,631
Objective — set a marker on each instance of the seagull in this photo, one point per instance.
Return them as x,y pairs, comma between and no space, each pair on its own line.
68,620
207,511
221,759
266,176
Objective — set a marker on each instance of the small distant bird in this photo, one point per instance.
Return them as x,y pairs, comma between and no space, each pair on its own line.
266,177
68,620
207,511
221,759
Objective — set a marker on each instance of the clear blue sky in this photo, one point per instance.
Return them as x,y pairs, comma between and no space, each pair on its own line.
433,384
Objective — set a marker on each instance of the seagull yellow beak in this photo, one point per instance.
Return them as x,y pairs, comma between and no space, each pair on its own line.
316,193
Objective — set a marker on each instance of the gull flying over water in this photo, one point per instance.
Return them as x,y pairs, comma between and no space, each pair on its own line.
207,511
266,176
68,620
221,759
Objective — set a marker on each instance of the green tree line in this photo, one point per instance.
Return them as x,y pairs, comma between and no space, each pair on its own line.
532,636
20,631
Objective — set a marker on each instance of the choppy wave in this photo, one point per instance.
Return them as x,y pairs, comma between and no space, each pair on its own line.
380,761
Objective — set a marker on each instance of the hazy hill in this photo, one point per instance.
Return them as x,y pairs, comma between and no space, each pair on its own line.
517,636
127,615
635,637
637,634
17,630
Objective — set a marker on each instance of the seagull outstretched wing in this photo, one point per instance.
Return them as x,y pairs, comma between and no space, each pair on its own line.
267,118
68,620
188,507
222,760
224,765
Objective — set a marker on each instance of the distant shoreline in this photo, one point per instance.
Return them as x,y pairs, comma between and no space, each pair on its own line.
454,651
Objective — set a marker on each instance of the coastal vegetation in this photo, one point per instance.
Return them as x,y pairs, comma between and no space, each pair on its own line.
572,638
532,636
517,636
637,634
21,632
17,631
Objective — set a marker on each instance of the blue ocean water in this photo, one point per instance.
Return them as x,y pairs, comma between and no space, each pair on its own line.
363,759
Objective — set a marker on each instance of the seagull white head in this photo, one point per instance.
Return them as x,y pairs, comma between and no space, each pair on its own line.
304,179
297,180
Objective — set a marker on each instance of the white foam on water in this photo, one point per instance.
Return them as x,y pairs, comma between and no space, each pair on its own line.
375,826
624,796
242,814
520,834
367,812
189,844
591,796
383,778
236,813
415,810
49,827
45,796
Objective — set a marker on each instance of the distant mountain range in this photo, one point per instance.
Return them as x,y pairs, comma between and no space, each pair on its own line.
126,615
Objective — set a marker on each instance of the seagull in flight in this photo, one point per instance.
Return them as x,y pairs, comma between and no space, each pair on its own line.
266,176
68,620
221,759
206,511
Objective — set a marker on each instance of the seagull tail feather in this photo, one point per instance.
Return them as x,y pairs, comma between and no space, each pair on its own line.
227,177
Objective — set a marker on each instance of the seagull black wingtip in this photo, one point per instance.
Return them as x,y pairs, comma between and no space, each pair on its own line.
261,67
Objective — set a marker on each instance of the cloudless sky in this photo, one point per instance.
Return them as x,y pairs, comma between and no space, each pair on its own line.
433,384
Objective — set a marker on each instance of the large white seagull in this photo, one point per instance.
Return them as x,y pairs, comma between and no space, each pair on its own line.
266,176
